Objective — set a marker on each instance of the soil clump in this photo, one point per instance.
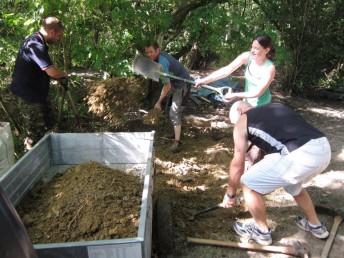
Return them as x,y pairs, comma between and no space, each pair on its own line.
86,202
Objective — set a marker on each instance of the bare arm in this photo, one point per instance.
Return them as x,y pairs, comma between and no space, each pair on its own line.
237,165
55,73
225,71
165,90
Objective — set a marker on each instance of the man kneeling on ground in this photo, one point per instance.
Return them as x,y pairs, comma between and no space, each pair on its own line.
296,152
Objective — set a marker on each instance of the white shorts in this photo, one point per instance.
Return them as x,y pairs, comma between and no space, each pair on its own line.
289,171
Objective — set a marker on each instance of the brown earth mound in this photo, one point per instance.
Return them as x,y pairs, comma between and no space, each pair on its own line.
153,117
87,202
113,99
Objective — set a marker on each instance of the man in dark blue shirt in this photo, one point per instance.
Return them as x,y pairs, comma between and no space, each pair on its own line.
179,89
31,79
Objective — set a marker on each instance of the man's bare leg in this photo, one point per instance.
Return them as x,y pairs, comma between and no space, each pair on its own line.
256,205
306,204
177,132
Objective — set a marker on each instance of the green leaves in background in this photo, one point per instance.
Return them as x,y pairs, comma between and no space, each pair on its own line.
105,35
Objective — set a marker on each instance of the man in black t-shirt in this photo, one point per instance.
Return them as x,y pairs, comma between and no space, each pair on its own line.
31,79
296,152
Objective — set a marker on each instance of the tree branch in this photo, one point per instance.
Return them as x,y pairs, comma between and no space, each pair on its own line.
180,14
267,14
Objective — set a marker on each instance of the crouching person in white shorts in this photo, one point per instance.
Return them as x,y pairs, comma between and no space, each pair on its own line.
296,152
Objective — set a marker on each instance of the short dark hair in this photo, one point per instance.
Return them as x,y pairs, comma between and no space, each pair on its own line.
266,42
153,44
52,23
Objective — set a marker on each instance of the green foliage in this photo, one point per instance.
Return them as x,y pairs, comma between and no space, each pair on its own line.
313,33
105,35
228,29
334,79
99,35
14,26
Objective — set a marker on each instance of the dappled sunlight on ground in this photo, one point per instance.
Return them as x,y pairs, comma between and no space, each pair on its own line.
196,178
340,156
327,111
333,180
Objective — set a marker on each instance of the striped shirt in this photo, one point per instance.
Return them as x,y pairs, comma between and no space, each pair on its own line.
276,128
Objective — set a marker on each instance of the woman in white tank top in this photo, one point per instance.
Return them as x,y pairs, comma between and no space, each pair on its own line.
259,73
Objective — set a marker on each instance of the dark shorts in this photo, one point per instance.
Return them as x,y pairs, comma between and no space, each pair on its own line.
179,98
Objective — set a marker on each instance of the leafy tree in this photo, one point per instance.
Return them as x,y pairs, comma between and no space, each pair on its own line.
105,35
313,32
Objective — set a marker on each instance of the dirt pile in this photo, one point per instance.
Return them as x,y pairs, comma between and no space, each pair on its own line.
114,99
153,117
87,202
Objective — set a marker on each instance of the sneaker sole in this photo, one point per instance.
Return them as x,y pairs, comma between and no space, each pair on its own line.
247,238
302,228
262,242
240,234
322,236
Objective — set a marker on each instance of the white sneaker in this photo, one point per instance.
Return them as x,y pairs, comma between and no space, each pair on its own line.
318,231
251,231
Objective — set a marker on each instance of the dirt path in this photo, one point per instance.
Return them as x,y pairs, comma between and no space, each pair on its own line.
195,179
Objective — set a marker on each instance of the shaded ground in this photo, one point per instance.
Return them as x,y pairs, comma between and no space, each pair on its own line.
196,178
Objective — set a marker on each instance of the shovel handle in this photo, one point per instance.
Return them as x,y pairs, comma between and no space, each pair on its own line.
177,77
206,210
290,250
60,108
70,98
218,90
189,81
65,91
327,248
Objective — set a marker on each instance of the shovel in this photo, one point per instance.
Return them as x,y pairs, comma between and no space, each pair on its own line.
65,91
153,70
206,210
60,107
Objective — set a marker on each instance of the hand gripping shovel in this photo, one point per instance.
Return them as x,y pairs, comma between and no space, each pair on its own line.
150,69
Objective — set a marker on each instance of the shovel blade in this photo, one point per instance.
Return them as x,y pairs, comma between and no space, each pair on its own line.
146,67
